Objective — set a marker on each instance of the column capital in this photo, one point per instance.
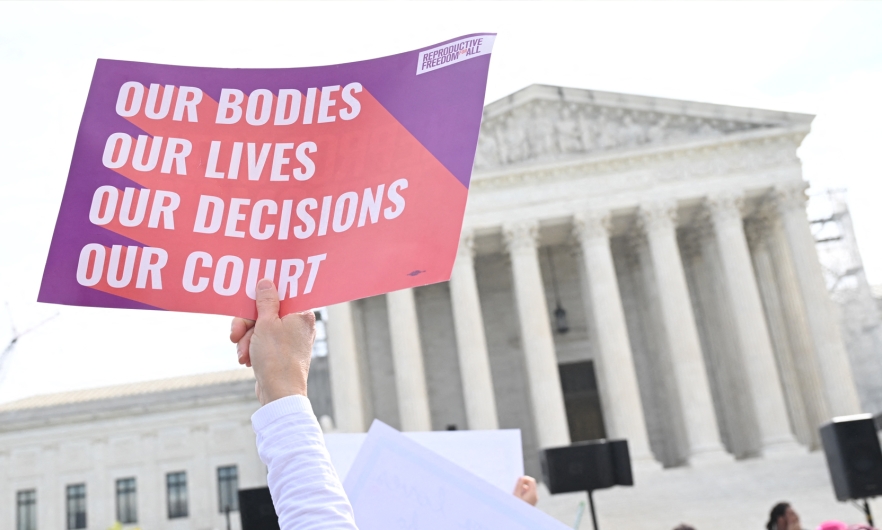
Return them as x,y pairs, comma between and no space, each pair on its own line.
592,225
692,240
767,211
725,206
764,219
466,243
789,197
756,228
635,240
521,235
656,215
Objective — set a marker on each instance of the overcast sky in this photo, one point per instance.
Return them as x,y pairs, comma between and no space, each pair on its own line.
815,57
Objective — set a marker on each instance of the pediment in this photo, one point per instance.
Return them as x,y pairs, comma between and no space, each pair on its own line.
545,124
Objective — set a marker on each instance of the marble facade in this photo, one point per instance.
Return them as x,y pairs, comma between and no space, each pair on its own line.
684,260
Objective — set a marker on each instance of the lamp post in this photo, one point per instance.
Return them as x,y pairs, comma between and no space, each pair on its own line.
560,314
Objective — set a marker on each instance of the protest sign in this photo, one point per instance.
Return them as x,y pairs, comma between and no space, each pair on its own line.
397,483
187,185
495,456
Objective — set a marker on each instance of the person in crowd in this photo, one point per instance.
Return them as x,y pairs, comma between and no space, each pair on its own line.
684,526
306,491
783,517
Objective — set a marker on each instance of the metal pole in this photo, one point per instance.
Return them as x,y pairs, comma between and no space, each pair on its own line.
868,514
591,504
227,511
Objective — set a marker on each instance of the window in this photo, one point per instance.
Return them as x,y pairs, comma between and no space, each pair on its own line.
177,494
26,512
76,506
228,488
126,501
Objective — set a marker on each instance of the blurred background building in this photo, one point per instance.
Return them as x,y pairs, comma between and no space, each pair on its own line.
630,267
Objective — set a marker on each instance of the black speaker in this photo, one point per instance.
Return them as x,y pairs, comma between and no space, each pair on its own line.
621,462
853,456
587,466
256,510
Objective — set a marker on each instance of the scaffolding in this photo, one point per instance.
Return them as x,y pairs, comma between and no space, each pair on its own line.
859,311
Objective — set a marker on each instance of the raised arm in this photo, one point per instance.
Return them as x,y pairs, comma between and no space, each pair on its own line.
306,491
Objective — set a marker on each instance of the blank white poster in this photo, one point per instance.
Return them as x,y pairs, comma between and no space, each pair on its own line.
495,456
395,482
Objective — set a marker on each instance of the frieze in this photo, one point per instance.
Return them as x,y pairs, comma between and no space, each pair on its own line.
667,165
543,130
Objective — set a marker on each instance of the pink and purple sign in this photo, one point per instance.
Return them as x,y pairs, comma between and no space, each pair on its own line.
188,185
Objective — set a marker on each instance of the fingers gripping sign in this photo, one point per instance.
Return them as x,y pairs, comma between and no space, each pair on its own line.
525,489
279,349
240,333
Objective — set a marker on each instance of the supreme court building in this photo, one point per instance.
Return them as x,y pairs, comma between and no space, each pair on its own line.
629,267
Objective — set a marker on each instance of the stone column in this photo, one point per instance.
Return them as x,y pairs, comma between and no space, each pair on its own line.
343,365
836,375
546,395
471,344
407,358
700,254
681,334
749,323
756,230
797,327
620,393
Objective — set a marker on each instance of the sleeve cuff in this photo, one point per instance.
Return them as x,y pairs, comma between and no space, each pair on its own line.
274,410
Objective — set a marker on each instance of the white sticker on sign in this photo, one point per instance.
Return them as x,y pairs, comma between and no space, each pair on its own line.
454,52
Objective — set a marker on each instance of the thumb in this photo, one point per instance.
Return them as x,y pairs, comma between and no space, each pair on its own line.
267,300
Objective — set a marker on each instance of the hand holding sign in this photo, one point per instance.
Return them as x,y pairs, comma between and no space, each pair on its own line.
187,185
282,347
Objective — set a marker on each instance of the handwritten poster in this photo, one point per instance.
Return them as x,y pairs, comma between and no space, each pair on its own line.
188,185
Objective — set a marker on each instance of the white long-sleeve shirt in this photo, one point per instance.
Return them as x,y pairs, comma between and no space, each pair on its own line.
305,488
